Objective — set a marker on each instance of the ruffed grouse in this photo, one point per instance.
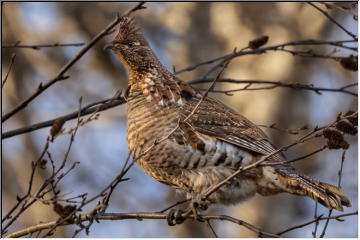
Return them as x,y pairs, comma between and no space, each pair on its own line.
210,146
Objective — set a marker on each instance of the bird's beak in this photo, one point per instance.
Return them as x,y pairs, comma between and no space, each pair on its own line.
108,46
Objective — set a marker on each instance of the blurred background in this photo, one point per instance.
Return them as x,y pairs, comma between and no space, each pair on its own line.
181,34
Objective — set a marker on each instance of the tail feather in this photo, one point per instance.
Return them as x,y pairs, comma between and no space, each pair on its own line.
326,194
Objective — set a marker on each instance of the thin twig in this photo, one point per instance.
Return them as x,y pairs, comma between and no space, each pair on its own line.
333,20
29,199
80,122
341,168
101,207
320,218
211,228
275,84
39,46
20,200
86,110
61,74
9,70
294,160
174,205
286,130
341,8
264,49
339,186
317,222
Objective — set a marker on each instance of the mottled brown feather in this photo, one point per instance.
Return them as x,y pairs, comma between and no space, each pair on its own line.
210,146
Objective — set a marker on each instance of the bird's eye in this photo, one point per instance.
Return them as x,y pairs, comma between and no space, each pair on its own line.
131,44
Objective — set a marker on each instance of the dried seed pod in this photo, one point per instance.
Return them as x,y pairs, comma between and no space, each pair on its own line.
335,140
353,118
346,127
332,133
350,63
65,211
58,208
68,209
256,43
334,144
57,127
344,145
42,164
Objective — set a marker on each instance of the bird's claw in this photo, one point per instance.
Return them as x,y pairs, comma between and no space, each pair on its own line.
175,216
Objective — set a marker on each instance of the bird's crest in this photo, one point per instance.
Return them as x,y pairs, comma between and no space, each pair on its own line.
130,31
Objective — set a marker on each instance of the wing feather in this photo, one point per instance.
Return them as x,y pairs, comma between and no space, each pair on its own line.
227,125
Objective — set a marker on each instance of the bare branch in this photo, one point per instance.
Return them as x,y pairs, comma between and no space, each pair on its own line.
294,160
51,182
333,20
21,200
339,185
61,74
39,46
341,8
7,74
174,205
274,84
317,222
285,130
138,216
98,106
265,49
211,228
320,218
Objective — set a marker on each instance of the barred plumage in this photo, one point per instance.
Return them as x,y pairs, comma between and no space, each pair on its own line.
210,146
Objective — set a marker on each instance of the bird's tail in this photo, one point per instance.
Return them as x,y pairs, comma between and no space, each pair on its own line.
326,194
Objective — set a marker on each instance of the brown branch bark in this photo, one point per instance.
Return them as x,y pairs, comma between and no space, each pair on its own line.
89,109
139,216
39,46
143,215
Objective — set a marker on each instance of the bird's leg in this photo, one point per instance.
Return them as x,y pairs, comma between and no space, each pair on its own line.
177,216
197,205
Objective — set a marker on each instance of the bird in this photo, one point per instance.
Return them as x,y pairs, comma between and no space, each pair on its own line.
190,142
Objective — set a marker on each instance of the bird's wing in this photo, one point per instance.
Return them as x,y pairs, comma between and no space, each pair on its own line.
215,119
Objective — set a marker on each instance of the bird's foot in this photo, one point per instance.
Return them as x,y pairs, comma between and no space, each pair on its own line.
177,216
199,204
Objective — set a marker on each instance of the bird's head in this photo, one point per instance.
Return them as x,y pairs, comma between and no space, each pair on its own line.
130,46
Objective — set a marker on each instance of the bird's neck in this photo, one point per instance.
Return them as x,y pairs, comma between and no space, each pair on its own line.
157,85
